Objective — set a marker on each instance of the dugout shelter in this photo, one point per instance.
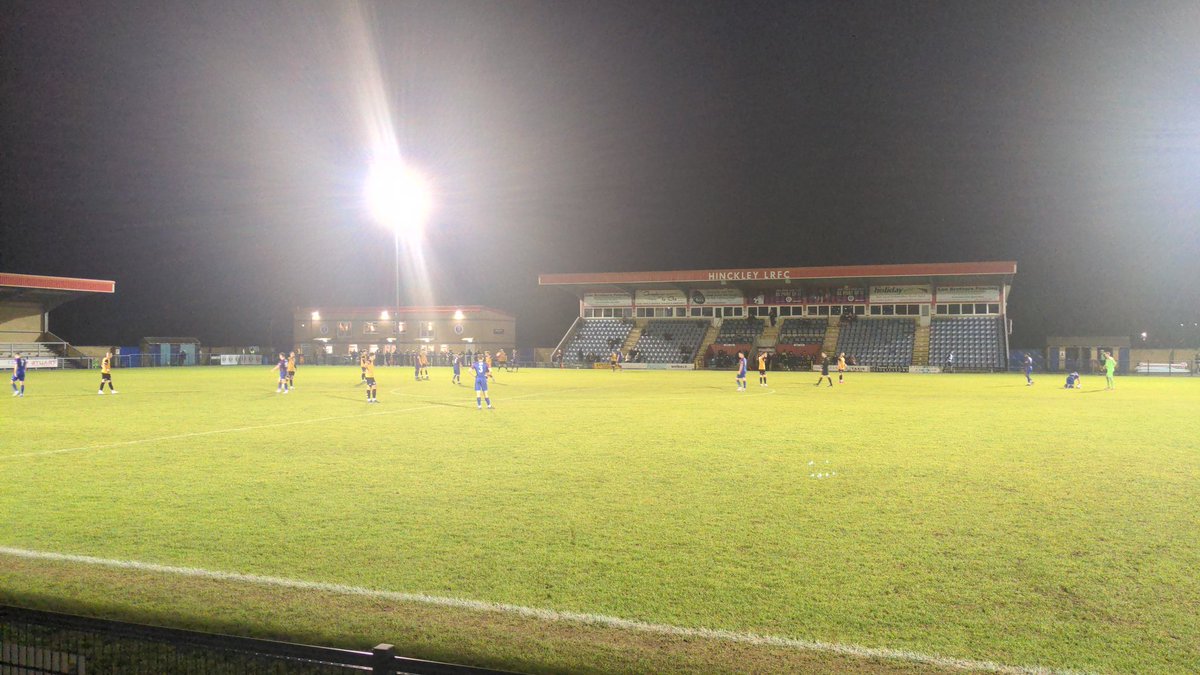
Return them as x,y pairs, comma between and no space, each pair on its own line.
333,334
907,317
26,301
1086,354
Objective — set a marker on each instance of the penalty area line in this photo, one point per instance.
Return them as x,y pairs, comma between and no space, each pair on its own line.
211,432
549,615
235,430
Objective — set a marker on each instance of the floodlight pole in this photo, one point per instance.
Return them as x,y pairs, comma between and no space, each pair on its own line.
396,234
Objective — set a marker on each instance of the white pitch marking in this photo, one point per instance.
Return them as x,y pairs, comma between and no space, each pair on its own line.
550,614
212,432
194,434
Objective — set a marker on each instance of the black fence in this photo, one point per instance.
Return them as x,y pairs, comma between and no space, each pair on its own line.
34,642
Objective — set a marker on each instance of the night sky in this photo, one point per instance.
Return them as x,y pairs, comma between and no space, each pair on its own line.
210,156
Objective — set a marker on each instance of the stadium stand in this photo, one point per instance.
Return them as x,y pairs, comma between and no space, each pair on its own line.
977,343
880,343
670,341
595,340
802,331
737,331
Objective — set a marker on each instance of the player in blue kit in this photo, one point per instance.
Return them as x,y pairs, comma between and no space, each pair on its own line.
481,385
1073,381
1028,370
18,376
283,374
457,379
741,376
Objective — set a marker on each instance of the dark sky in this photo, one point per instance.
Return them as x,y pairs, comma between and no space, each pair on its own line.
210,156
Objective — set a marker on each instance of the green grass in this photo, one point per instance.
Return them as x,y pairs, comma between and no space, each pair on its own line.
970,516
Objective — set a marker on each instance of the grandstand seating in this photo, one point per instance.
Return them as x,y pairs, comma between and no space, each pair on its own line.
977,343
802,331
596,338
878,342
30,349
670,341
738,331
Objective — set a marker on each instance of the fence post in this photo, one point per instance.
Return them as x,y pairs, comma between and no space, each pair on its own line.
384,658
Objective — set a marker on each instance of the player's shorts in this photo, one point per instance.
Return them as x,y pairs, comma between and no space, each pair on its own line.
741,374
106,377
762,372
19,377
370,382
291,373
481,384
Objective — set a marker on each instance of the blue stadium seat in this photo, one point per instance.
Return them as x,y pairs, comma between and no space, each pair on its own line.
596,339
976,342
879,342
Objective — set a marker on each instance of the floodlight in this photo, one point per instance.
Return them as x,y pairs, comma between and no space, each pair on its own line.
316,316
398,196
384,316
458,315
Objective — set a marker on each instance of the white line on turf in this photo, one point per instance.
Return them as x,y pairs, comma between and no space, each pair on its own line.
543,614
234,430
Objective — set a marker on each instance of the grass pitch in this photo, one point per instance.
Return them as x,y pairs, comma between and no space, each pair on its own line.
955,516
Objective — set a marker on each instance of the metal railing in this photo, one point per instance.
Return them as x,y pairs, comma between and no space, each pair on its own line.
35,641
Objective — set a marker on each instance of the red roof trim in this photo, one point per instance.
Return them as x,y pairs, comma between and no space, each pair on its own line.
57,283
784,273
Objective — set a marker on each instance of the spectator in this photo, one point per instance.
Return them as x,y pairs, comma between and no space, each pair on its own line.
772,315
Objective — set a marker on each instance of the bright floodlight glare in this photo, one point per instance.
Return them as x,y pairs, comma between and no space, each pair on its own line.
316,316
458,315
383,316
398,196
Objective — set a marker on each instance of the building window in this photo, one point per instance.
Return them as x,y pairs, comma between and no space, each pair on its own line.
955,309
981,308
968,309
859,310
889,310
993,309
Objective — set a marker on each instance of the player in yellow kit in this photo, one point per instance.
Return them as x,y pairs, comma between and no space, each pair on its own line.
368,367
762,369
291,370
106,373
841,368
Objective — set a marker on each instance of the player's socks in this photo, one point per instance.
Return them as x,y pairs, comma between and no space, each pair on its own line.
489,403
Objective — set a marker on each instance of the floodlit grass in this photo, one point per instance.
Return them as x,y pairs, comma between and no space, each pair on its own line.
961,516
